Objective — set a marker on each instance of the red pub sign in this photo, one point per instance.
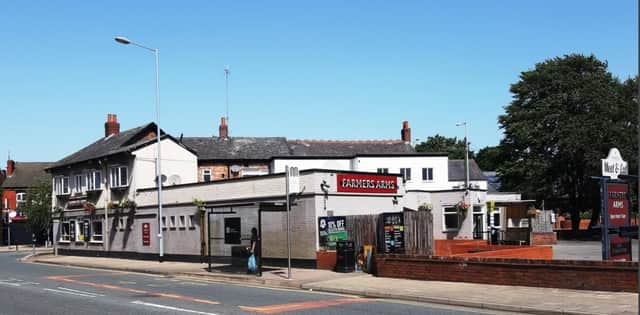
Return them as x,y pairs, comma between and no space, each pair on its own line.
146,234
618,211
361,183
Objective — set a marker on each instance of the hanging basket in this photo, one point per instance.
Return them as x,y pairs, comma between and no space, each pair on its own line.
462,207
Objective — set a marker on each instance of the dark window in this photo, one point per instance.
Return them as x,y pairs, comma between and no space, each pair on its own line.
383,171
232,230
451,219
427,173
406,173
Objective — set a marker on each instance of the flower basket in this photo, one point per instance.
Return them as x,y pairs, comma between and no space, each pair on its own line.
425,207
89,207
462,207
532,213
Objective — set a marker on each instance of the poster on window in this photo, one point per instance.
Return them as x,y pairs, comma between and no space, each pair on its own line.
393,232
330,230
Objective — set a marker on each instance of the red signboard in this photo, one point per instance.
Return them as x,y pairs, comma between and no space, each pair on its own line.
618,208
146,234
360,183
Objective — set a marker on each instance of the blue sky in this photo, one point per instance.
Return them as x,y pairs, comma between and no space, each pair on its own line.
300,69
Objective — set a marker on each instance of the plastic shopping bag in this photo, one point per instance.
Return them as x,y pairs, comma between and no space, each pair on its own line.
252,264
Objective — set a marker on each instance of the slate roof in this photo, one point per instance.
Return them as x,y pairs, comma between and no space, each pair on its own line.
457,173
323,148
25,174
117,143
237,148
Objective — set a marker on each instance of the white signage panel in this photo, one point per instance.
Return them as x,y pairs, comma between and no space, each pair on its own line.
614,165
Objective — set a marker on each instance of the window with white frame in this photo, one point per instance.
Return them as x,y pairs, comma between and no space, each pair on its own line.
172,221
164,222
182,221
61,185
192,221
206,175
383,171
78,186
96,231
406,173
65,232
119,176
93,179
21,197
82,231
450,219
427,173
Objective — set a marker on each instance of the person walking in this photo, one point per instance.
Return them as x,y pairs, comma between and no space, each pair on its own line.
255,250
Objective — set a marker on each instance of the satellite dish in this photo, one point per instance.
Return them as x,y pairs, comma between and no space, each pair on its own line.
163,178
175,180
235,168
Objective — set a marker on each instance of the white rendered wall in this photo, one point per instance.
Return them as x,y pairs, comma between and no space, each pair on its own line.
278,164
439,164
175,160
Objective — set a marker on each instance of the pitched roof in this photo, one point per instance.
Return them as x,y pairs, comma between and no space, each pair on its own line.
26,174
324,148
237,148
116,143
457,172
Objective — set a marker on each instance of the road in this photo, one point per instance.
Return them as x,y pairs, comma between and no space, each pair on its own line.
28,288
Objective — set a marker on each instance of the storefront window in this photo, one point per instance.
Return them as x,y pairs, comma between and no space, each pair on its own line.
65,233
96,231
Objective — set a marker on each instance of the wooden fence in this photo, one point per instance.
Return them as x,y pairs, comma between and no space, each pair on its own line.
418,231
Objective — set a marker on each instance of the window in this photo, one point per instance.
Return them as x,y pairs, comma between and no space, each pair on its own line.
164,222
120,224
96,231
451,219
427,173
78,184
172,221
61,185
406,173
94,180
82,231
65,233
119,176
206,175
192,221
383,170
6,203
20,198
232,230
182,222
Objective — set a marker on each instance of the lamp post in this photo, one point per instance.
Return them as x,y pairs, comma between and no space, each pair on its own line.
126,41
466,157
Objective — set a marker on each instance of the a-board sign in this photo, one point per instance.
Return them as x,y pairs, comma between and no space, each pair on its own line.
330,230
393,232
618,216
365,183
146,234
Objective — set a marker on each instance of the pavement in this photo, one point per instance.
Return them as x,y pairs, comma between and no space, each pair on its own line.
529,300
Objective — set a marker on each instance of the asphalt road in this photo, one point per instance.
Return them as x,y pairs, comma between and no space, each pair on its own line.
27,288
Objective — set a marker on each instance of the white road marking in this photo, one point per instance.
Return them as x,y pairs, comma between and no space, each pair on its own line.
78,291
69,292
193,283
171,308
10,283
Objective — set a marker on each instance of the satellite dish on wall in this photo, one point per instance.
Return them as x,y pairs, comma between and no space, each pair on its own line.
162,177
235,168
175,180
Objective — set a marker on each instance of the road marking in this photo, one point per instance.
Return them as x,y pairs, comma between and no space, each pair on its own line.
78,291
10,283
68,292
193,283
280,308
166,307
124,289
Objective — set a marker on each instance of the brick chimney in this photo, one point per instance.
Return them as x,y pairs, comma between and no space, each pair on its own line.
405,133
11,165
223,129
111,127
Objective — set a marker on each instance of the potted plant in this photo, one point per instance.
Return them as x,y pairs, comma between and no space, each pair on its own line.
425,207
89,207
199,204
532,213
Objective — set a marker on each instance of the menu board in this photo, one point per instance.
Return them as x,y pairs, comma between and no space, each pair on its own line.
330,230
618,215
393,232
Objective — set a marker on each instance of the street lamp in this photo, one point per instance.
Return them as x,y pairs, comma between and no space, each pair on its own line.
466,156
126,41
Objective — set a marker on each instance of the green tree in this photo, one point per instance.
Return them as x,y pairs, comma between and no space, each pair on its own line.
453,146
489,158
565,116
37,206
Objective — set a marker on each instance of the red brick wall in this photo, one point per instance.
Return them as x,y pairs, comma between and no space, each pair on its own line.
544,238
568,274
11,196
326,259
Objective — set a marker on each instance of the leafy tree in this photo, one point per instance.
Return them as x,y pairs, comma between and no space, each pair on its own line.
438,143
488,158
565,116
37,206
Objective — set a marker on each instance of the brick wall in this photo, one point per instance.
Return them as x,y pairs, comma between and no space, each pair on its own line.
544,238
568,274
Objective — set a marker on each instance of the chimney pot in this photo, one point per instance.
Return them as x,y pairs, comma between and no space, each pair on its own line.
405,133
223,129
111,127
11,164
